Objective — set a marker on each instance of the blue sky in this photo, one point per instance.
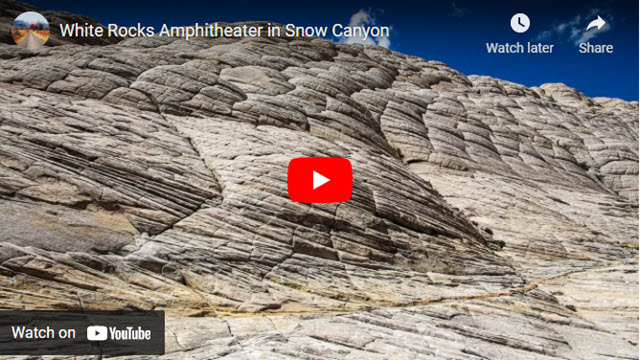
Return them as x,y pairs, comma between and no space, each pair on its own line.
31,17
454,32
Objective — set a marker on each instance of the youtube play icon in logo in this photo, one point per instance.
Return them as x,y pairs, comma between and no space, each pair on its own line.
320,180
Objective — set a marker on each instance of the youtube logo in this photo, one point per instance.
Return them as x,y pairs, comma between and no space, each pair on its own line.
97,333
319,180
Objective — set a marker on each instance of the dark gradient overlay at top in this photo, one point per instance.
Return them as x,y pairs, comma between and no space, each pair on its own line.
454,32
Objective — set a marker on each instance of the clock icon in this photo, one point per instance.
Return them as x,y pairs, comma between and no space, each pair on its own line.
520,22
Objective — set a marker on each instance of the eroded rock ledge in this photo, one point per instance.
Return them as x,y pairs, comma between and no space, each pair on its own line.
151,174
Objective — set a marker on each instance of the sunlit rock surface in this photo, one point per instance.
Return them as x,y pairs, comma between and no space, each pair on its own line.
488,219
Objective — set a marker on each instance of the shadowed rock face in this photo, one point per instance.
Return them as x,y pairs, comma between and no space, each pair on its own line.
485,215
10,9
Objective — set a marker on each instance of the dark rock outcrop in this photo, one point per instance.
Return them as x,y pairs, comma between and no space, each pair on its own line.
152,174
10,9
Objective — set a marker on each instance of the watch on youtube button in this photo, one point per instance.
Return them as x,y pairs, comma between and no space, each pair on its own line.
320,180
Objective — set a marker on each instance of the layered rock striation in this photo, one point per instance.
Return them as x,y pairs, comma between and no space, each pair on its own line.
485,218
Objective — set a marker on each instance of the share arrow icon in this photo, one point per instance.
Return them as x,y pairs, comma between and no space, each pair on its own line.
599,22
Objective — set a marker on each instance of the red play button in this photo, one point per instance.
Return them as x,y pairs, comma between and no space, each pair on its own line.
319,180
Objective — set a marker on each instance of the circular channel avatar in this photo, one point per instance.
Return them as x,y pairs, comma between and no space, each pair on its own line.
30,30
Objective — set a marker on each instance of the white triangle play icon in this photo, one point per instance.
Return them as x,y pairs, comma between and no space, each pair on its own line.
318,180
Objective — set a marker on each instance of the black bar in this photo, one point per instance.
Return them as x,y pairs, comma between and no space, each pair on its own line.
137,332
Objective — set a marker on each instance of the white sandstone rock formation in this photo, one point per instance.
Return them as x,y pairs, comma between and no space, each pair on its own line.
488,219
